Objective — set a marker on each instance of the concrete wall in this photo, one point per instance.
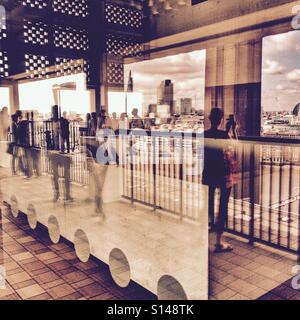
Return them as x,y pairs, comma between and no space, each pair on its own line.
209,12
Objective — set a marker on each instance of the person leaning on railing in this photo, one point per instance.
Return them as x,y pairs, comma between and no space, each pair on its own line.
218,173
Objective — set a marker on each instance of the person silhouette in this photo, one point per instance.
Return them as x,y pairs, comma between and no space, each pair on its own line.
215,174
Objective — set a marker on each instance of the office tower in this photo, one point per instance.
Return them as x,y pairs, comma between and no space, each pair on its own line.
165,94
186,105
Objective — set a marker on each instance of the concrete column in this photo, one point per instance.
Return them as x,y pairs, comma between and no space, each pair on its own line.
92,94
233,83
14,101
104,97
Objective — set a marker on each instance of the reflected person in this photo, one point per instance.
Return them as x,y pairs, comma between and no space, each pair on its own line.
61,161
98,161
215,175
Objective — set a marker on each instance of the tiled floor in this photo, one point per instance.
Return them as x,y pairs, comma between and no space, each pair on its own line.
155,245
38,269
282,292
249,272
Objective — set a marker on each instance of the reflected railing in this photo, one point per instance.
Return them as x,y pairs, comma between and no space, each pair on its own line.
164,170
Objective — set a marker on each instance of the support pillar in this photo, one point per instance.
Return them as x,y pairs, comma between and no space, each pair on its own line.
14,102
233,83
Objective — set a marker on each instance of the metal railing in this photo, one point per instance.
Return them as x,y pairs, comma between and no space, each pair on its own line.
264,206
46,134
164,170
79,173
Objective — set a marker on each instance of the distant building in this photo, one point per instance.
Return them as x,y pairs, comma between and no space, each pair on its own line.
163,110
296,114
165,94
186,106
296,110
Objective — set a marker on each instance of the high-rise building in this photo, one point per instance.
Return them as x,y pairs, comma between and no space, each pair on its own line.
186,105
165,94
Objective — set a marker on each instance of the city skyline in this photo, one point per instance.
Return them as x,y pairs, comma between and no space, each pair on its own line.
186,71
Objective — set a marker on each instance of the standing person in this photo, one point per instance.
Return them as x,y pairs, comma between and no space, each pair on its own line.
61,161
65,132
92,125
97,171
24,142
87,121
14,139
136,121
102,119
107,122
114,122
88,118
217,174
123,122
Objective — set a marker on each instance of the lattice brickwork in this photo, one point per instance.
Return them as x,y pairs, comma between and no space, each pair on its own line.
128,17
3,64
115,73
121,46
78,8
66,66
35,33
69,38
37,4
36,65
3,31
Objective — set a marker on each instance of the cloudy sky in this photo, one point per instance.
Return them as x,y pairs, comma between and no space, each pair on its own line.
280,80
185,70
281,71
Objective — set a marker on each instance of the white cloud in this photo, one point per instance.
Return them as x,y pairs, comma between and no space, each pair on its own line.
273,67
293,75
187,72
281,42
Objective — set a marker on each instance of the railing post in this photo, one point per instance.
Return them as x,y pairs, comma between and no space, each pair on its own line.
252,194
154,170
298,253
131,167
32,133
181,163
